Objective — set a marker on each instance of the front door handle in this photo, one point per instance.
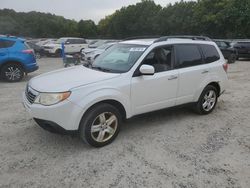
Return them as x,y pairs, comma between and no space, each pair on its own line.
205,72
172,77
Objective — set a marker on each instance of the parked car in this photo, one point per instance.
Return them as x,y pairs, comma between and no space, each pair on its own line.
39,51
243,48
16,59
72,45
92,55
46,41
130,78
228,51
100,42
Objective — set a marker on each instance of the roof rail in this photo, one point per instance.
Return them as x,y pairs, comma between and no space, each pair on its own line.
204,38
143,37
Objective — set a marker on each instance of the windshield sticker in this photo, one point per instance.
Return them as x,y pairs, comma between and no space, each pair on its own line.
137,49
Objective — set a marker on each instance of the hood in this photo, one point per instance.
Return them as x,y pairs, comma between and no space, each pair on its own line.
88,50
68,78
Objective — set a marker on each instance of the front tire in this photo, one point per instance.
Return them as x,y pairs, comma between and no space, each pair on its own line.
207,100
12,72
100,125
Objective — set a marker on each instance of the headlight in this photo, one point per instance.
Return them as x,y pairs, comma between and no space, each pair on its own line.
48,99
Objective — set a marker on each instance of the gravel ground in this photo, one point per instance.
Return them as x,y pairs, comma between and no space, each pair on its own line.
171,148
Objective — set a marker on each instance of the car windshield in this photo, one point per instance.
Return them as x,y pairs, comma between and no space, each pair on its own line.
119,58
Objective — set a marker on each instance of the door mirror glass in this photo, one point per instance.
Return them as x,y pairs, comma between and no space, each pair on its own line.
147,70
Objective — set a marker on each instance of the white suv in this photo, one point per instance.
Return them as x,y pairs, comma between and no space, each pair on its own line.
130,78
72,45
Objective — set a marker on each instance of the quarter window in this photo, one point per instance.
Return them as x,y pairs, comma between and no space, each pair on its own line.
6,43
188,55
210,53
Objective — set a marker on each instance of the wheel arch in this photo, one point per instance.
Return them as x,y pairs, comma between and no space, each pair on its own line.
12,61
216,85
112,102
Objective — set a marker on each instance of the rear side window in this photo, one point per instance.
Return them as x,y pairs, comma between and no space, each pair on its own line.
6,43
188,55
210,53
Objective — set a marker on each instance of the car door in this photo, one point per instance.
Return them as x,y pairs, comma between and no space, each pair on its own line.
3,51
192,71
158,91
69,46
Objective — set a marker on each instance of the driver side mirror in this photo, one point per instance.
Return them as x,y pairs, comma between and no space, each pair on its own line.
147,70
67,42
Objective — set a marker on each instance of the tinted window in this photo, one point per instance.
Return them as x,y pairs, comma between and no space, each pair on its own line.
6,43
188,55
210,53
245,44
160,59
1,44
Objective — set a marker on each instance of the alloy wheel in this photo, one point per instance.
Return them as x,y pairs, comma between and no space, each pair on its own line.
104,127
209,100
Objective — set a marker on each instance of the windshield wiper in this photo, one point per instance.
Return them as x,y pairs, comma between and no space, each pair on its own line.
101,69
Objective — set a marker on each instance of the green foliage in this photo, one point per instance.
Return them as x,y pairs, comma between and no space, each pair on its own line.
214,18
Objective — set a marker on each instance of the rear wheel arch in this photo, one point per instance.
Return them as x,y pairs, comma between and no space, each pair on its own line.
216,85
14,62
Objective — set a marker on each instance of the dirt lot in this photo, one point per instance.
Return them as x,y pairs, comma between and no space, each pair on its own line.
171,148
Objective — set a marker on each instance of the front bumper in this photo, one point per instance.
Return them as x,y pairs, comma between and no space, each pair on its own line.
65,115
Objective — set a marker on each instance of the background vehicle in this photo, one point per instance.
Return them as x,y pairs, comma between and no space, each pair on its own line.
72,45
228,51
90,56
16,58
130,78
38,50
100,42
243,48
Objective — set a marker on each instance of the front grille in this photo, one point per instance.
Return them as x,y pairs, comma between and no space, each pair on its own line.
30,95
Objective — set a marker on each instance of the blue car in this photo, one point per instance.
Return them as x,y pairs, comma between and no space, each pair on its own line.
16,59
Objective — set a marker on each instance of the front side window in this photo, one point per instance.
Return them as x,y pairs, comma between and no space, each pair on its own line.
160,59
188,55
210,53
119,58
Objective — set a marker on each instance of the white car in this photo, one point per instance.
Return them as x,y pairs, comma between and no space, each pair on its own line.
130,78
92,55
72,45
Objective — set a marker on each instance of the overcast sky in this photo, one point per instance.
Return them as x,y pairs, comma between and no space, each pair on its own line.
73,9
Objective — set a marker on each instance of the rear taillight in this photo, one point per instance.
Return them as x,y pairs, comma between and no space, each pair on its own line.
225,67
28,51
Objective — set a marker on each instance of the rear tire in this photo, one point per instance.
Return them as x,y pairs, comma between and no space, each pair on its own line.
207,101
100,125
232,58
12,72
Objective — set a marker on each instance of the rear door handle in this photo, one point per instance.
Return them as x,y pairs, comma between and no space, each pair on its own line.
172,77
205,72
